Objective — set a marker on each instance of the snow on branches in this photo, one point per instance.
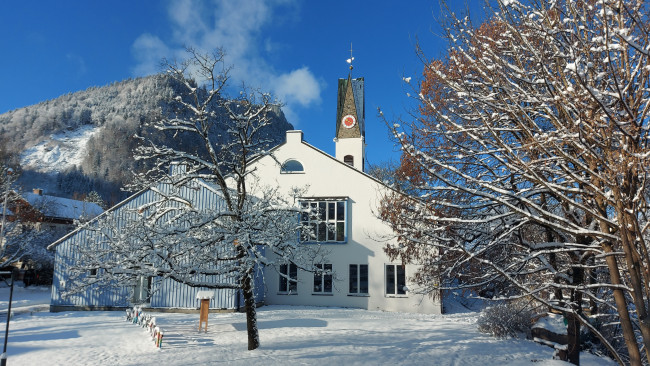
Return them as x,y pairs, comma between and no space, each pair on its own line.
530,155
207,224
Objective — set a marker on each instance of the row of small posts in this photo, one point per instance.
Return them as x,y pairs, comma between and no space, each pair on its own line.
137,316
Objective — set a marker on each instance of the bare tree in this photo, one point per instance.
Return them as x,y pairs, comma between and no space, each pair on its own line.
530,149
224,245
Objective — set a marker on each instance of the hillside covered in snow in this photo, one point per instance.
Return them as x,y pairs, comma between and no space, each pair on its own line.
84,141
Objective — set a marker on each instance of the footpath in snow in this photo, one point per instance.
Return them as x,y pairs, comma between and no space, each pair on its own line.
289,336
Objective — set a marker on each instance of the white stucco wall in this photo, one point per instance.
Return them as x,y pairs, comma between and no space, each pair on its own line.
351,146
325,176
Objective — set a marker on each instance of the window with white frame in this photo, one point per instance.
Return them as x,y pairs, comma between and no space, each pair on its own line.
358,279
395,279
324,220
288,278
323,279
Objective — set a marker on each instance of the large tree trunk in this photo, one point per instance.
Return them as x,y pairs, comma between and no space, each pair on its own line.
621,306
635,274
251,312
573,338
573,326
621,302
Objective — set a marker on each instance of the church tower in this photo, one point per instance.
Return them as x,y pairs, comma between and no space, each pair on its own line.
350,122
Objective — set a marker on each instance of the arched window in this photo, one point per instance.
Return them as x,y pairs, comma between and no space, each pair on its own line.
292,166
349,159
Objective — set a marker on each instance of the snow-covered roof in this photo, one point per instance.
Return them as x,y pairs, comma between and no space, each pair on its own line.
65,208
204,295
126,201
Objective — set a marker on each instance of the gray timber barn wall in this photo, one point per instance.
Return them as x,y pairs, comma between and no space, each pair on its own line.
168,293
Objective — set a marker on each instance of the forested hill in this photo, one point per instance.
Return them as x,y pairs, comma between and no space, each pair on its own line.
83,141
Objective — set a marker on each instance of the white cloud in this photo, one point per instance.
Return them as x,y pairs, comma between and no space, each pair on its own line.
148,50
238,27
299,86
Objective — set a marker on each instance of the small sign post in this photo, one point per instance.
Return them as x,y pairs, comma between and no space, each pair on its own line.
205,306
205,297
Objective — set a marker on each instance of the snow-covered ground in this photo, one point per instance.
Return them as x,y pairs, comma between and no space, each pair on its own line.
64,150
25,300
289,336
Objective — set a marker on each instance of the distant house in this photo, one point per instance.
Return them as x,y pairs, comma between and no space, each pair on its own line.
52,217
357,272
54,214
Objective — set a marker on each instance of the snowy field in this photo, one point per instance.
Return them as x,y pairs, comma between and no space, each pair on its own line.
289,336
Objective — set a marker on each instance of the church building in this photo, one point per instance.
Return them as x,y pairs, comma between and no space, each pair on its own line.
347,199
356,272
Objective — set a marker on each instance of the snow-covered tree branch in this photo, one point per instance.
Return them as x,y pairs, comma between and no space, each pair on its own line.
529,150
174,235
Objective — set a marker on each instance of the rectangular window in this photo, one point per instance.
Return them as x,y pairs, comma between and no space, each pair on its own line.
324,221
323,279
289,278
395,279
358,279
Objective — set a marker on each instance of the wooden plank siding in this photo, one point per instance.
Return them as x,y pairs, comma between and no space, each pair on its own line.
167,293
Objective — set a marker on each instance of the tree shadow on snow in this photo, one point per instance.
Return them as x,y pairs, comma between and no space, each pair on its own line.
185,335
15,338
288,323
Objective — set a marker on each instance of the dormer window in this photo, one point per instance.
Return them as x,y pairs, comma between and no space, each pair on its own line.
292,166
349,159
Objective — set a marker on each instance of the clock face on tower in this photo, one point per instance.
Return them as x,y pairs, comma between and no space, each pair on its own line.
348,121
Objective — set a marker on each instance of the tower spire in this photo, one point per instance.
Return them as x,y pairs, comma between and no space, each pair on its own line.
350,119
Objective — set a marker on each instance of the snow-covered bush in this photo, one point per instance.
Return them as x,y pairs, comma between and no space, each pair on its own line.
505,320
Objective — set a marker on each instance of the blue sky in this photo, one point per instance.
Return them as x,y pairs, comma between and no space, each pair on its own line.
294,49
